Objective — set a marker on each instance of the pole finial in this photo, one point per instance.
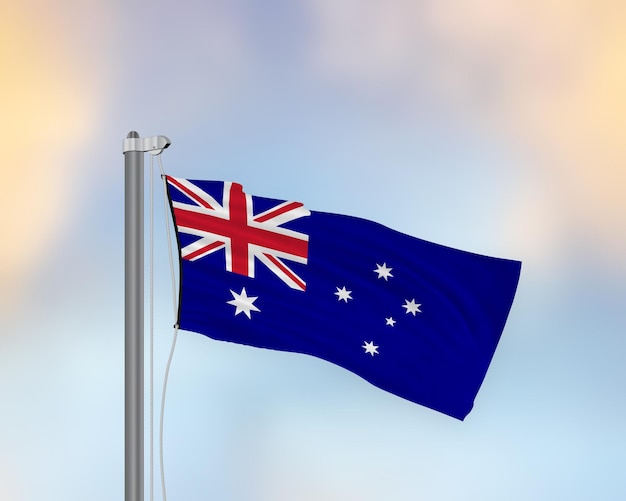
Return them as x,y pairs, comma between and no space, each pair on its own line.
153,144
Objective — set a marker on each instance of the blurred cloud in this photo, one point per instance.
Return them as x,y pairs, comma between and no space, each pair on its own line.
547,78
50,99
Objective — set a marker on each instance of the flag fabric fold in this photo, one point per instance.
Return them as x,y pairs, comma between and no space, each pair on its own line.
417,319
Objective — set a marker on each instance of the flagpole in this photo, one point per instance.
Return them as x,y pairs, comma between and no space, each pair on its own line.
134,148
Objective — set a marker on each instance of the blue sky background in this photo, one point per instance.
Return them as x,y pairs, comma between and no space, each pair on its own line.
493,127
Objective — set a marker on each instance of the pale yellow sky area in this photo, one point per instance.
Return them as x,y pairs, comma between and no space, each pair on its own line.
8,490
571,113
547,77
48,107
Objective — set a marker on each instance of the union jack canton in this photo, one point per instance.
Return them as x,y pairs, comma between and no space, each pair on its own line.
233,226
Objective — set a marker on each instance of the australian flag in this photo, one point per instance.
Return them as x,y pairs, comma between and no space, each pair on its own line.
417,319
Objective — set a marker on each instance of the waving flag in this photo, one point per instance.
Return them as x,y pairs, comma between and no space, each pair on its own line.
414,318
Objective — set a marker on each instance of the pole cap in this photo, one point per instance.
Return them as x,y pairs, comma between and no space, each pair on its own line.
153,144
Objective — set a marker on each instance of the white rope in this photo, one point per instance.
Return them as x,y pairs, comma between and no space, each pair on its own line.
169,240
167,371
171,355
151,327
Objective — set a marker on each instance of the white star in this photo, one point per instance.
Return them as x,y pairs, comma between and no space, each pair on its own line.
390,321
411,307
383,271
243,303
370,348
343,294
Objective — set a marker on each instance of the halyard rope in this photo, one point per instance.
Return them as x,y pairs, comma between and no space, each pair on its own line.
173,347
151,327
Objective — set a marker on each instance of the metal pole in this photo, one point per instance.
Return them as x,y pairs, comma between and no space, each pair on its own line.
134,148
134,300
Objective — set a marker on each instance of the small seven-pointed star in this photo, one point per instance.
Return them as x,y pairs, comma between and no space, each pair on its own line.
343,294
383,271
412,307
370,348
